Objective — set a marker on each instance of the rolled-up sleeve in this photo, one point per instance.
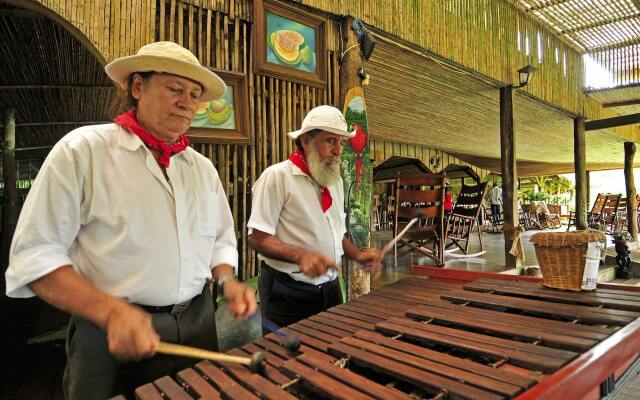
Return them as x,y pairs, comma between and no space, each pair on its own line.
48,224
225,249
267,203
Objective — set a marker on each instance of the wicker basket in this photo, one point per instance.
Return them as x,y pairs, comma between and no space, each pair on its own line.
561,256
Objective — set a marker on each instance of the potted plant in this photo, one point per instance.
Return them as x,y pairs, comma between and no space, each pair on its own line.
623,262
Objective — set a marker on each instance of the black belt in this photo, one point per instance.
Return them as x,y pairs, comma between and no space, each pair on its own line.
173,309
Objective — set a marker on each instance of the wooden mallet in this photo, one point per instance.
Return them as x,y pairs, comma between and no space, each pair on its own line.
393,241
255,362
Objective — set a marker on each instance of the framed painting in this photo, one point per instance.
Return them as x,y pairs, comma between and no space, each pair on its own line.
225,120
289,43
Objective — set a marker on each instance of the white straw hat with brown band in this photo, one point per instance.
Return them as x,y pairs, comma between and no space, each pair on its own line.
170,58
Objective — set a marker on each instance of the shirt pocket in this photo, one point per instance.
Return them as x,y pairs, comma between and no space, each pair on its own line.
206,217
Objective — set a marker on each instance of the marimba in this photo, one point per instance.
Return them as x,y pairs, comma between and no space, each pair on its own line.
468,336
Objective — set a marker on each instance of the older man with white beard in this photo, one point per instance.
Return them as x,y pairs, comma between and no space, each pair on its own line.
298,226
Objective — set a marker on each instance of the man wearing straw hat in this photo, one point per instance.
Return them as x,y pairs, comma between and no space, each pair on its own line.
126,225
297,223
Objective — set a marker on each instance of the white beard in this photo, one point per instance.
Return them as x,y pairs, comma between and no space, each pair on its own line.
324,172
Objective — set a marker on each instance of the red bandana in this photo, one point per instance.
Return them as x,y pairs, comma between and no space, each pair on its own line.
129,122
300,161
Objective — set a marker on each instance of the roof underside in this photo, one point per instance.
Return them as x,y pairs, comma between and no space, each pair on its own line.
589,25
414,99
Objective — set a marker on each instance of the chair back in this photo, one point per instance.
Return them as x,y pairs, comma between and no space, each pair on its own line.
598,205
469,200
422,197
611,204
419,195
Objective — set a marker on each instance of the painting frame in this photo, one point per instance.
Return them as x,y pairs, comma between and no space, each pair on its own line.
261,65
241,133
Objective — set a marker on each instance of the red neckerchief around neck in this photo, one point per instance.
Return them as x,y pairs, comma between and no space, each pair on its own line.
129,121
300,161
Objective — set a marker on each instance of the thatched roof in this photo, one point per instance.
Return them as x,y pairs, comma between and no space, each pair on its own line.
52,80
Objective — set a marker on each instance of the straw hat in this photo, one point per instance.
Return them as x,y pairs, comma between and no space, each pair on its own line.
326,118
171,58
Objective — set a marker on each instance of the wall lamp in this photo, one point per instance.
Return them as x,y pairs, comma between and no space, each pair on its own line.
525,74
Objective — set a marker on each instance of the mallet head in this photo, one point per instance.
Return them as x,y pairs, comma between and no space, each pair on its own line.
257,362
291,343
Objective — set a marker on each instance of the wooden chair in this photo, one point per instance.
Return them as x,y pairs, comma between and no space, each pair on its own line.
465,215
553,218
421,196
593,215
609,213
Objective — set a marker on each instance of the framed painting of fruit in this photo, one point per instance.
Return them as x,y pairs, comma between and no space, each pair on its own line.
289,43
224,120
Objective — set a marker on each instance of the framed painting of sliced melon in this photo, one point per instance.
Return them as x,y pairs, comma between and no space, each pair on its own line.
225,120
289,43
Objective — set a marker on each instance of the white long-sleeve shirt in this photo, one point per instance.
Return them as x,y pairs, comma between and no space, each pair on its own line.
101,204
286,204
495,195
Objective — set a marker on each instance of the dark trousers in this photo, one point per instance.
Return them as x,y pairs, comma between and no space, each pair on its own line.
495,211
93,373
283,300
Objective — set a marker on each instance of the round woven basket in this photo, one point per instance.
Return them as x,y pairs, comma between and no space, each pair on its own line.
561,256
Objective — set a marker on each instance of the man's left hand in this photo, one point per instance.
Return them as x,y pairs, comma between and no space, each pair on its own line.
371,260
240,298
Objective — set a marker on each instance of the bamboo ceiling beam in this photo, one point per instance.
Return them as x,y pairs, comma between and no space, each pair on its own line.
20,13
612,122
32,153
621,103
546,5
38,87
617,88
600,23
613,46
60,123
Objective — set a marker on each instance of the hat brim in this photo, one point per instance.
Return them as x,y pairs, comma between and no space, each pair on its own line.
296,134
120,69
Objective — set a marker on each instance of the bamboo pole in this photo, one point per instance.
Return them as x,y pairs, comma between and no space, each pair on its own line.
10,177
581,172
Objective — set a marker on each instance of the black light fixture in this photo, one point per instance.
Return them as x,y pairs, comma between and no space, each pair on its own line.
367,42
525,74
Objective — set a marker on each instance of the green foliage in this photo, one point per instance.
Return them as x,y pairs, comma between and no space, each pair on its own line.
539,196
621,235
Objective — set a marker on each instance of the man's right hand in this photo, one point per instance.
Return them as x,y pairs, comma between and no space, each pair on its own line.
314,264
130,333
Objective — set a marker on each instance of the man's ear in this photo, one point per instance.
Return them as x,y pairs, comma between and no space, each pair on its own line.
136,86
305,141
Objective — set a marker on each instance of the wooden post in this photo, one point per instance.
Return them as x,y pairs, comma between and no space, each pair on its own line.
632,221
580,158
509,172
351,61
357,281
9,199
588,180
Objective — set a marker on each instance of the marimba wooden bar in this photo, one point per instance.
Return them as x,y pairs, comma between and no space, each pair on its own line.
453,335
